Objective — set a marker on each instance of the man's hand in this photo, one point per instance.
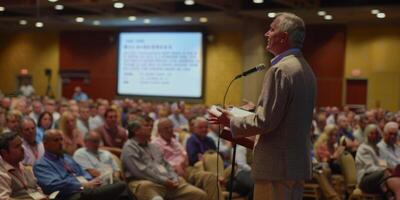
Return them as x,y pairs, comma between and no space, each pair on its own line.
224,118
93,172
248,105
96,182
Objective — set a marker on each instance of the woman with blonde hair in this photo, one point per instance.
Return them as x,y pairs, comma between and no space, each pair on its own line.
73,138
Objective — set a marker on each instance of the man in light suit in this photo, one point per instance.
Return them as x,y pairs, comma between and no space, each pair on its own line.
283,115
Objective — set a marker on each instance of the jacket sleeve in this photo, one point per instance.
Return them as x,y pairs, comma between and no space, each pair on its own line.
272,109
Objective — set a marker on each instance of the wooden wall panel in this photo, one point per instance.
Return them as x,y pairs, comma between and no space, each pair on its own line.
324,48
92,51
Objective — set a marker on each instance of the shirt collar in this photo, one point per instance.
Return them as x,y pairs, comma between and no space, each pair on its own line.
8,167
279,57
52,156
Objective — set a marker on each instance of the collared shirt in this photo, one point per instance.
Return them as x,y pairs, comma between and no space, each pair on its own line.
279,57
145,162
82,126
32,154
59,173
390,153
173,152
95,122
16,183
195,145
179,121
367,161
101,160
113,137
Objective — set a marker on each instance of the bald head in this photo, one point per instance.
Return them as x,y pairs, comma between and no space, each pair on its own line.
53,141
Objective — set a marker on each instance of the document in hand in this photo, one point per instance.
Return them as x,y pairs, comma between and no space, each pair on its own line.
237,112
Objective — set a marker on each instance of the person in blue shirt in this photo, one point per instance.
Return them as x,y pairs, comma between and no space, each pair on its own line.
57,171
79,95
199,142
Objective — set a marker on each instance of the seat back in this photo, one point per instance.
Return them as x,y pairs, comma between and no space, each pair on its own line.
349,171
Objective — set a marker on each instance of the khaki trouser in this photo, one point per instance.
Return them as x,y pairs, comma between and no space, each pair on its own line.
206,181
278,190
146,190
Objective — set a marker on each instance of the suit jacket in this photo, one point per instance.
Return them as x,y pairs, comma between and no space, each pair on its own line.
282,121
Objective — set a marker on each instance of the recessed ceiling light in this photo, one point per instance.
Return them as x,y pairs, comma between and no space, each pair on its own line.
146,21
189,2
187,19
2,8
53,1
258,1
79,19
375,11
321,13
132,18
39,24
381,15
328,17
203,19
59,7
96,22
271,14
23,22
118,5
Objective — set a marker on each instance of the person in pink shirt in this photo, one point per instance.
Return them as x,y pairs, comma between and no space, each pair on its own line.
173,151
176,156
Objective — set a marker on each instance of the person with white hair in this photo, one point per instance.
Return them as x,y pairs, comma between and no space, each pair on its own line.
373,176
388,148
283,115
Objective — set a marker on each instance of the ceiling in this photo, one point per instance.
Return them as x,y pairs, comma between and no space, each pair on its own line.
219,13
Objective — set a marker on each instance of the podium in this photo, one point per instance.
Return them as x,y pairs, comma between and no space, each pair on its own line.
246,142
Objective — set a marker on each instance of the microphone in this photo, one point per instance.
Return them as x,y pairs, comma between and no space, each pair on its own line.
257,68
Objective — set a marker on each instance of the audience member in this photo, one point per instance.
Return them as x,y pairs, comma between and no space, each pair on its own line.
178,119
199,142
45,122
82,122
149,175
372,171
13,119
33,150
37,109
98,162
388,148
57,171
16,181
73,138
112,134
79,95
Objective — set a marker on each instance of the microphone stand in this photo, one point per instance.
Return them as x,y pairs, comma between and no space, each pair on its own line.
232,179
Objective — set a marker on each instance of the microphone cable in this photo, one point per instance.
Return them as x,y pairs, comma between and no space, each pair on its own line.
220,129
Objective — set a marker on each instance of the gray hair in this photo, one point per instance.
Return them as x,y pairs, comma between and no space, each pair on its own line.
369,129
390,125
47,133
294,26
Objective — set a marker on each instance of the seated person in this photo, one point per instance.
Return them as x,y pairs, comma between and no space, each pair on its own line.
346,135
33,150
73,138
326,148
199,142
57,171
112,134
16,182
176,156
388,148
96,161
372,172
148,174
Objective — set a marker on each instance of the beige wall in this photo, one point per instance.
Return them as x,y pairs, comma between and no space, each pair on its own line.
374,50
34,51
223,62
